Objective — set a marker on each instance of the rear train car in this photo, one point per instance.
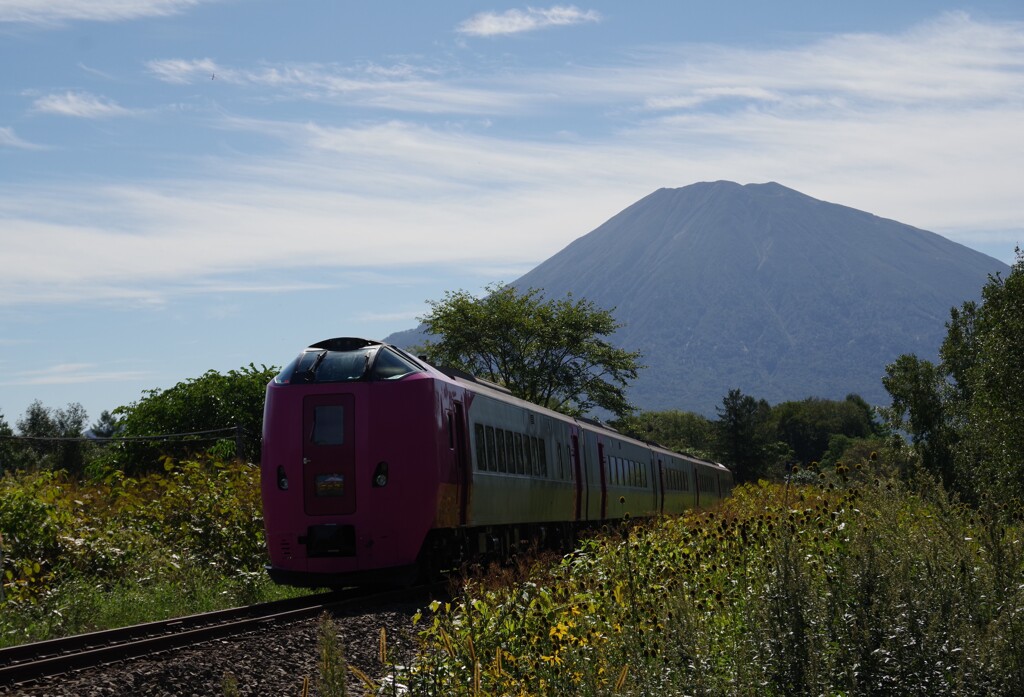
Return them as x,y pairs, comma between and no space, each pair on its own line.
377,466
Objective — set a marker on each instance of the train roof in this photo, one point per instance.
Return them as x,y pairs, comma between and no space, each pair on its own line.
503,394
492,390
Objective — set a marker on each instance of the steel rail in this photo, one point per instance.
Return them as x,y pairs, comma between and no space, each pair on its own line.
29,662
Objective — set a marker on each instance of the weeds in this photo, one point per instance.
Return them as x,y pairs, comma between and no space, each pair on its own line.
856,585
85,555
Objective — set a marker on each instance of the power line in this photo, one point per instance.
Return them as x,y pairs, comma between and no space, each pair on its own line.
233,430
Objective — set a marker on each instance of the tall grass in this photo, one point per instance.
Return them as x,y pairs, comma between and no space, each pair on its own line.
85,555
853,586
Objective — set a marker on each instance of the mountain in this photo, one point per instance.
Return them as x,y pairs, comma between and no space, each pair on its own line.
765,289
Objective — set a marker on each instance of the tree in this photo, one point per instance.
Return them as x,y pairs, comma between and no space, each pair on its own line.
52,434
12,456
745,439
549,352
808,425
681,431
983,355
919,409
964,414
211,401
106,426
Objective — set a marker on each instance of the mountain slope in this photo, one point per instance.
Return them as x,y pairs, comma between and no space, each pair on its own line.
765,289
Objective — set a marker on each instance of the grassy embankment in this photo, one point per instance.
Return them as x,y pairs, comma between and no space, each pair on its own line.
853,586
856,585
83,556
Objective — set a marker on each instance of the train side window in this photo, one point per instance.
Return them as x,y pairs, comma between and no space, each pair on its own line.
530,450
390,366
520,455
492,449
481,447
499,439
542,456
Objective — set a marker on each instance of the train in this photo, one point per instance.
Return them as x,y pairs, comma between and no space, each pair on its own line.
378,467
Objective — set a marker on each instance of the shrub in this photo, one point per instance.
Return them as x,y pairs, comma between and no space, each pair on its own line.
855,585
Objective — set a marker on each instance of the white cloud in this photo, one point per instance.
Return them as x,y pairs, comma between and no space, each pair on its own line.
8,139
519,21
401,87
888,124
183,72
79,105
56,11
72,374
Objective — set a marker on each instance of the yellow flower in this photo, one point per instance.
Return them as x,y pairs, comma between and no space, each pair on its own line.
559,631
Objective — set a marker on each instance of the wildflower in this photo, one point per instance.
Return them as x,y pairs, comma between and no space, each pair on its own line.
553,659
559,631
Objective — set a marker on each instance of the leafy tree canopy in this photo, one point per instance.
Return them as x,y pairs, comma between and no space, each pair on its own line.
46,427
808,425
964,414
682,431
550,352
745,438
211,401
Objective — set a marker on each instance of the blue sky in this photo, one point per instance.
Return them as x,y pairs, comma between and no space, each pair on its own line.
189,185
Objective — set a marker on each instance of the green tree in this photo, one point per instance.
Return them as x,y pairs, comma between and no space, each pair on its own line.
550,352
808,425
52,435
919,409
983,356
745,439
211,401
964,414
106,426
12,455
682,431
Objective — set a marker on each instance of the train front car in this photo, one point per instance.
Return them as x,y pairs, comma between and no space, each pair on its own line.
349,464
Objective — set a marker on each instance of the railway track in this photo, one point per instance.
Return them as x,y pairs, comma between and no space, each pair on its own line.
27,663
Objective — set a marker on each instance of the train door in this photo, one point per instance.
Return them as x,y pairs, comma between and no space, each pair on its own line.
328,454
578,470
604,480
462,463
661,487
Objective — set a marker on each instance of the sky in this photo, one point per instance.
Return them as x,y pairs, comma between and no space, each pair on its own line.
194,185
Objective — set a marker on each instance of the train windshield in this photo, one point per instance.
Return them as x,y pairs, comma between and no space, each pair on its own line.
368,363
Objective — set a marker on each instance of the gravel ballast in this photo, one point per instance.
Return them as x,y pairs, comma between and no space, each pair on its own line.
270,662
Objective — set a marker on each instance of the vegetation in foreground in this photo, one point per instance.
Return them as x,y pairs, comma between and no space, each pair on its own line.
79,557
856,585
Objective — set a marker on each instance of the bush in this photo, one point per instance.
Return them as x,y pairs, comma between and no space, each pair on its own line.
169,541
856,585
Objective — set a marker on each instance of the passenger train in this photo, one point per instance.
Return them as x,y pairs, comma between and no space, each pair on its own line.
377,466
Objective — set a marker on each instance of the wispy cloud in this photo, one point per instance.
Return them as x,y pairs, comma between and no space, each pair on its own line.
72,374
182,72
80,105
532,19
923,127
57,11
401,87
8,139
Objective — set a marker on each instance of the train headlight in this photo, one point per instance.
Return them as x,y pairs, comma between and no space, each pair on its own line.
282,479
380,475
